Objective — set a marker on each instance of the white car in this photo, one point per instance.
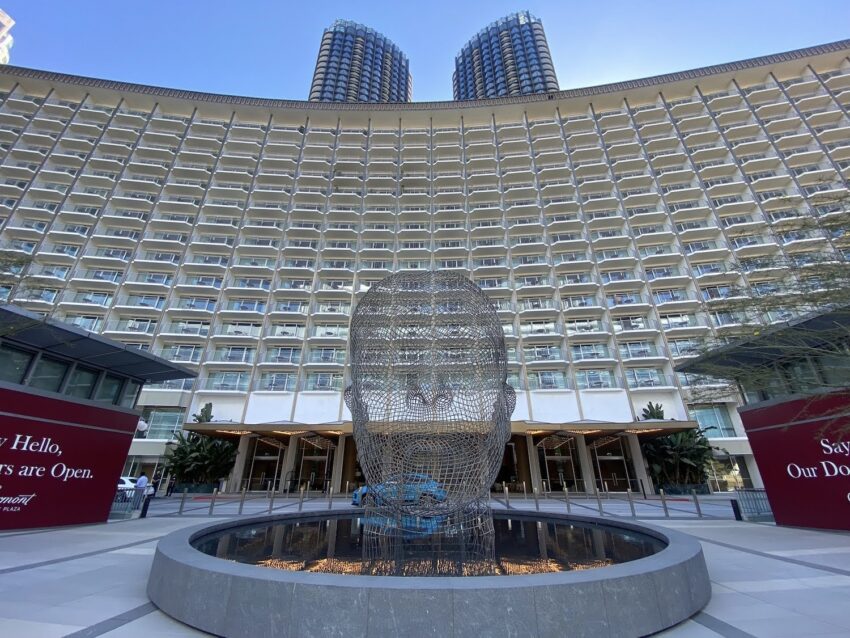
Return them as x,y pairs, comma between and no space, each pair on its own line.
126,489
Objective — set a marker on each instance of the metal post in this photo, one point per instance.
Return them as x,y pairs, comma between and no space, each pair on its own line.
242,500
212,501
536,502
631,503
567,498
664,503
346,486
145,504
301,500
696,503
330,498
507,498
599,503
271,501
183,500
524,492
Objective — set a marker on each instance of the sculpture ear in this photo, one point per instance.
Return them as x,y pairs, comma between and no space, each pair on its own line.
509,399
348,396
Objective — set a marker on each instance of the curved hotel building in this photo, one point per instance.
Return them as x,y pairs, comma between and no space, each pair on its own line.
606,224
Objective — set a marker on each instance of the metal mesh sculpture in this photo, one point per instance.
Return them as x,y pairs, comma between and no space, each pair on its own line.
431,408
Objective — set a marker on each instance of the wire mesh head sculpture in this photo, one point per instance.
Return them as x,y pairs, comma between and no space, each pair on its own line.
429,399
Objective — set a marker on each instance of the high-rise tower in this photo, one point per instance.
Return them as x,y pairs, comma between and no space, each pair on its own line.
508,57
358,64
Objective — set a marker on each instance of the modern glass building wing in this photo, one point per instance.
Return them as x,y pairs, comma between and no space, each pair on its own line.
358,64
608,225
508,57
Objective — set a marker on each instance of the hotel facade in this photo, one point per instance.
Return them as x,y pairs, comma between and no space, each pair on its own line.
235,235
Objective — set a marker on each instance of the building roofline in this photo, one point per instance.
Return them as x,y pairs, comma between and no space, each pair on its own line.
616,87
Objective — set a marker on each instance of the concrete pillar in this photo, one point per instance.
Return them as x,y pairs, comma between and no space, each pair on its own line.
533,465
339,457
234,481
588,472
753,469
639,464
288,464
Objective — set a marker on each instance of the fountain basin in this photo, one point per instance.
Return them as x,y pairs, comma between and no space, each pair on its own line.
229,598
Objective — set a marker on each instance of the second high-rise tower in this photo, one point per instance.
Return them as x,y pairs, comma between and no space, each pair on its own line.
508,57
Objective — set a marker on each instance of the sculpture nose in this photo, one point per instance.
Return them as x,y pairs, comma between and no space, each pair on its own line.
428,397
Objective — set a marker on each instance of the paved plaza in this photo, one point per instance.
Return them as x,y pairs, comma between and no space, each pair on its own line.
90,581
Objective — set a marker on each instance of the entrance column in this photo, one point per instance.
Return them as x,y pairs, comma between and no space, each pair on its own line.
288,464
639,465
753,469
339,457
234,481
586,464
533,465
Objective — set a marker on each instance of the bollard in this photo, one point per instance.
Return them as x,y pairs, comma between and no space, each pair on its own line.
664,503
631,503
331,498
271,500
145,504
696,503
212,501
301,500
507,498
567,498
183,500
242,500
599,503
536,502
346,487
524,492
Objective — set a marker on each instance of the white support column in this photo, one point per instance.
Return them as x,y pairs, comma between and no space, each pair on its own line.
234,481
533,465
339,457
289,460
588,474
753,468
639,463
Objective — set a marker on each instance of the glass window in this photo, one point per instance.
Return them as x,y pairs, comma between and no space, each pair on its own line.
131,393
15,364
82,383
48,374
714,419
109,390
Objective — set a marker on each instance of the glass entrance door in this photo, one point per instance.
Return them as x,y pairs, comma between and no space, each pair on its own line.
266,459
613,465
559,463
316,462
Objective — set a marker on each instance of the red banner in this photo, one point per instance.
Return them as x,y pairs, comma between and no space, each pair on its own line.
59,460
802,448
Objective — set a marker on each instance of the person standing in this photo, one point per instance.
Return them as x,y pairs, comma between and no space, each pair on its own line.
141,488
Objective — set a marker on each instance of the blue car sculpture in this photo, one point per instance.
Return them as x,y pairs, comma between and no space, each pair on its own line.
411,488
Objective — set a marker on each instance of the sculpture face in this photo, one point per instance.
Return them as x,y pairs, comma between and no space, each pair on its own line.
429,398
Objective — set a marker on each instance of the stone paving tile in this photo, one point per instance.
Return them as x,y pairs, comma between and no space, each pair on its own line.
32,629
156,625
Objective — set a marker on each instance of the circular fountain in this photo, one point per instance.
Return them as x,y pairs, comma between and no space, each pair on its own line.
306,574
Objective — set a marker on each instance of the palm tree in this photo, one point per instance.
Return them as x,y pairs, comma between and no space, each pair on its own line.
197,458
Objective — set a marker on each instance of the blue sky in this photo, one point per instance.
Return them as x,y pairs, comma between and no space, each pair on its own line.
268,48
